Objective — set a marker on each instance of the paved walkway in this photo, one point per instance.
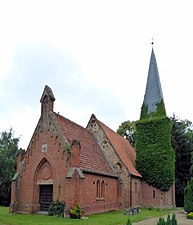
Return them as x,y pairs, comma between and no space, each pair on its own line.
180,215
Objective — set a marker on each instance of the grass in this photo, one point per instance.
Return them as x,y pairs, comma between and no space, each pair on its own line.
111,218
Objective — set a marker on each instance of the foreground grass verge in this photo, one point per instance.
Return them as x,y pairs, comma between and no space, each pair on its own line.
111,218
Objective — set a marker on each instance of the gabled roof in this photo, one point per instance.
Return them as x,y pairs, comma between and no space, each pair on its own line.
122,147
92,158
153,94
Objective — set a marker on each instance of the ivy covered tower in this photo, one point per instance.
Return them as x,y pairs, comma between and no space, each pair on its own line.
155,156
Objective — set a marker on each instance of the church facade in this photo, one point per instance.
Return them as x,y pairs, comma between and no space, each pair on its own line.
92,166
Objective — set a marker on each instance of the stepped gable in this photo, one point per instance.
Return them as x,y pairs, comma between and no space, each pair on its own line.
92,158
123,148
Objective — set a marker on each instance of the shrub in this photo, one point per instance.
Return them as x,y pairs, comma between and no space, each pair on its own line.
56,209
76,212
188,197
174,220
161,221
169,221
190,215
128,222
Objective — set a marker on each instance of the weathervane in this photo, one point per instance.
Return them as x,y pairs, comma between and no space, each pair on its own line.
152,42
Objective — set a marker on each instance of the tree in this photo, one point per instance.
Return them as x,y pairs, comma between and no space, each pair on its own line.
127,129
182,143
8,153
188,197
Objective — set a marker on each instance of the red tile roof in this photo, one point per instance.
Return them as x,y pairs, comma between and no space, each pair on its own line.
92,158
123,148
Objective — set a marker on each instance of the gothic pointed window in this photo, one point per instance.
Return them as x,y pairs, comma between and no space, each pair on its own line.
98,189
103,189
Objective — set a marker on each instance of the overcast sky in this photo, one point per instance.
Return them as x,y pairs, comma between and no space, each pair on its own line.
95,57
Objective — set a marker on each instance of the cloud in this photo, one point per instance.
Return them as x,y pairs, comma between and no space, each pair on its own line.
37,64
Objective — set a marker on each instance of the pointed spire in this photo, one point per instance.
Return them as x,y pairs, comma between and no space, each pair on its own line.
153,93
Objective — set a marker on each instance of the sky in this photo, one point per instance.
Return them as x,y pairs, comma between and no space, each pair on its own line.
94,55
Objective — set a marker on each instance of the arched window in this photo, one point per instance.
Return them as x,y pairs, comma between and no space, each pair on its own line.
103,189
93,126
105,144
98,189
118,167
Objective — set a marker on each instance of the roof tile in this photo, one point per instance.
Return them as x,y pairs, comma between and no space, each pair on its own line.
92,158
123,148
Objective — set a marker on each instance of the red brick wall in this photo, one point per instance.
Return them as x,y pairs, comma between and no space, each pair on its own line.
152,197
84,192
50,167
47,162
32,176
135,192
124,186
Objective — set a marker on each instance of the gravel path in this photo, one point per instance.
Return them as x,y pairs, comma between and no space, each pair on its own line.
180,215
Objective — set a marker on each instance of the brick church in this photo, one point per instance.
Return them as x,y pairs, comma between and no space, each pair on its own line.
92,166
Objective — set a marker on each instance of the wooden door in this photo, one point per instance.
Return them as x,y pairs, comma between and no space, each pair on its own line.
45,198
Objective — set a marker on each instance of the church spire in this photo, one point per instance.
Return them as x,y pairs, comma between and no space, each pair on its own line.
153,94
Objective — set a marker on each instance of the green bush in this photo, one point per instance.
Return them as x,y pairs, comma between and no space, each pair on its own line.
76,212
190,215
161,221
56,209
128,222
169,221
188,197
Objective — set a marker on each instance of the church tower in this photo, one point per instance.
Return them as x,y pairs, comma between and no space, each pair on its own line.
155,156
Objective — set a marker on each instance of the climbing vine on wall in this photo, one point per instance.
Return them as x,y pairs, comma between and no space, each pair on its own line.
155,157
160,111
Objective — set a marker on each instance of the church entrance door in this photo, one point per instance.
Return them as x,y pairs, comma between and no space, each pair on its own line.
45,198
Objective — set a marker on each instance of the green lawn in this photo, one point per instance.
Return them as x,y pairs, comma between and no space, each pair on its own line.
112,218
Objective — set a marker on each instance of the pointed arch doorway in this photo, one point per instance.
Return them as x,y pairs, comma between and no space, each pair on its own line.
43,185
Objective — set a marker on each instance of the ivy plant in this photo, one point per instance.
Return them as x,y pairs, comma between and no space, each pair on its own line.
155,158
